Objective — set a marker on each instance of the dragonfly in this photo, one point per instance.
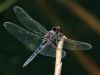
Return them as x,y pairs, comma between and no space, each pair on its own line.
37,38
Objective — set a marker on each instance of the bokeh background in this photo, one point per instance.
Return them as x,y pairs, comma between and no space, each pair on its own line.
79,20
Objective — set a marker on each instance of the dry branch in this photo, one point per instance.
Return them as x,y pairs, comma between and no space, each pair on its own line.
58,63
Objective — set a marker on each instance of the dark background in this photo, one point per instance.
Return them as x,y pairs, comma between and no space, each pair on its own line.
13,53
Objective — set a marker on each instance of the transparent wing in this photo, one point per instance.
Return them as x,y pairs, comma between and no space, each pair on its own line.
76,45
31,40
50,50
28,22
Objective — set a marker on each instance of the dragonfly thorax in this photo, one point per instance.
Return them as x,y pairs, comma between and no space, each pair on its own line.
51,35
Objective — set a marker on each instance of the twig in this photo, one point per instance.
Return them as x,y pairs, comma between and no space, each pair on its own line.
58,63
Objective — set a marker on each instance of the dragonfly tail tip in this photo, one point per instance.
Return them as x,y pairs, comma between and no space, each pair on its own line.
24,66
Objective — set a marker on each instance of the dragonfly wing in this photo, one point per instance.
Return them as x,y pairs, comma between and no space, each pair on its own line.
76,45
28,22
50,50
31,40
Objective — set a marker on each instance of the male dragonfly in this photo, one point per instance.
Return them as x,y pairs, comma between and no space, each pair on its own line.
37,38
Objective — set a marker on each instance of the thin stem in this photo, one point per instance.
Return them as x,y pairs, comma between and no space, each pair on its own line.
58,63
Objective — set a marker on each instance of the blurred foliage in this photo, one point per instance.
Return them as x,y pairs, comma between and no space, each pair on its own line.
4,4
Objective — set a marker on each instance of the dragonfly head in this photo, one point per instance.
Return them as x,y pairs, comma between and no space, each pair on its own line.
56,29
